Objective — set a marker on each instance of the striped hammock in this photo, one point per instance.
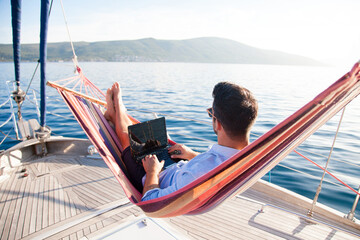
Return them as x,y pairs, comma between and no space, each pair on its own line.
233,176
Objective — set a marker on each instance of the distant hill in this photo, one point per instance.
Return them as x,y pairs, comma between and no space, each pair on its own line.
201,50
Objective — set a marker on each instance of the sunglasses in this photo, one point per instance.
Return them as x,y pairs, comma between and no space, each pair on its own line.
210,111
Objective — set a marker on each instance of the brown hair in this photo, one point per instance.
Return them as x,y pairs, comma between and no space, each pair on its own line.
235,107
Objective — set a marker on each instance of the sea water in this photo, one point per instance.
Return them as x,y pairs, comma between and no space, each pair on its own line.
184,89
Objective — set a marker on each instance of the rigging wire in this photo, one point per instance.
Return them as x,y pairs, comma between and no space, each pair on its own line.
333,145
58,115
310,213
342,182
38,61
5,102
6,121
51,4
31,80
308,175
67,28
7,135
334,159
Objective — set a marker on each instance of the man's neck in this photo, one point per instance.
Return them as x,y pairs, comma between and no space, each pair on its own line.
225,140
233,144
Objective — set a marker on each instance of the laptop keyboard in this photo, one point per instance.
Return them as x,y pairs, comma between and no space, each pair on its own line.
161,154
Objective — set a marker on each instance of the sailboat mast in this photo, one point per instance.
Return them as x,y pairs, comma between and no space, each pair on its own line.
17,94
43,55
16,26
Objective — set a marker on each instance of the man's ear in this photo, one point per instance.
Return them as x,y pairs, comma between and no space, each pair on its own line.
218,125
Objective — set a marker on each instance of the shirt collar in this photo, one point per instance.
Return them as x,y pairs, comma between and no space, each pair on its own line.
226,151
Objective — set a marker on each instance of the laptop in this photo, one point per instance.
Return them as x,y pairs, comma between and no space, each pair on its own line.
150,137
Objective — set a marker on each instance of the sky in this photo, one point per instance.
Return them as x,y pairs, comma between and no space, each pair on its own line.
325,30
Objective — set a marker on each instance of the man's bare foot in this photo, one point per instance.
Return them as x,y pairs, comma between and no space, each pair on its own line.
117,97
110,110
121,119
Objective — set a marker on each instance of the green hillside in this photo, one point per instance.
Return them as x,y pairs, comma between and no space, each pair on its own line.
203,50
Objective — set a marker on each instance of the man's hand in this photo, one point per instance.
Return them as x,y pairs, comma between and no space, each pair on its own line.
152,168
184,152
152,165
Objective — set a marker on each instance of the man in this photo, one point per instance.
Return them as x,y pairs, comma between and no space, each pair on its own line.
233,113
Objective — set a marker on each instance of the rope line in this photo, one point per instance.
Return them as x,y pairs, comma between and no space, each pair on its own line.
67,80
31,80
58,115
318,190
5,102
334,159
333,144
328,173
309,175
7,136
11,115
67,28
327,162
76,84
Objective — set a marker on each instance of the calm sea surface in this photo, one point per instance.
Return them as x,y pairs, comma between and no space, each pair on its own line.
184,89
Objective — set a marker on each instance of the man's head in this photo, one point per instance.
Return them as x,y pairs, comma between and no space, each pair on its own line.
235,108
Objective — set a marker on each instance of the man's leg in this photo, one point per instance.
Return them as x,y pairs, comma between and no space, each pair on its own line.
116,113
135,171
122,120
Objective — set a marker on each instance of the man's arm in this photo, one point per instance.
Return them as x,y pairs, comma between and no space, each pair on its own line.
152,168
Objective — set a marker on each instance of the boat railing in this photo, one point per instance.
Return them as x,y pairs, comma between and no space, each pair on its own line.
351,214
15,113
12,116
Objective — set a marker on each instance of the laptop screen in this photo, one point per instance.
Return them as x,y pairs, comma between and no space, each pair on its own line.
147,136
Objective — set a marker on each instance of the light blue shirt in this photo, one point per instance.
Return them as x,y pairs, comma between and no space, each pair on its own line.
184,172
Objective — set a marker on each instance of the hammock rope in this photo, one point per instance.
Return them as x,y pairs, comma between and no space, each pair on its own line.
233,176
68,31
88,85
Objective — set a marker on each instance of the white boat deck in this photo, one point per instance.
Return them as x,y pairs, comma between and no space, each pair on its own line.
76,197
